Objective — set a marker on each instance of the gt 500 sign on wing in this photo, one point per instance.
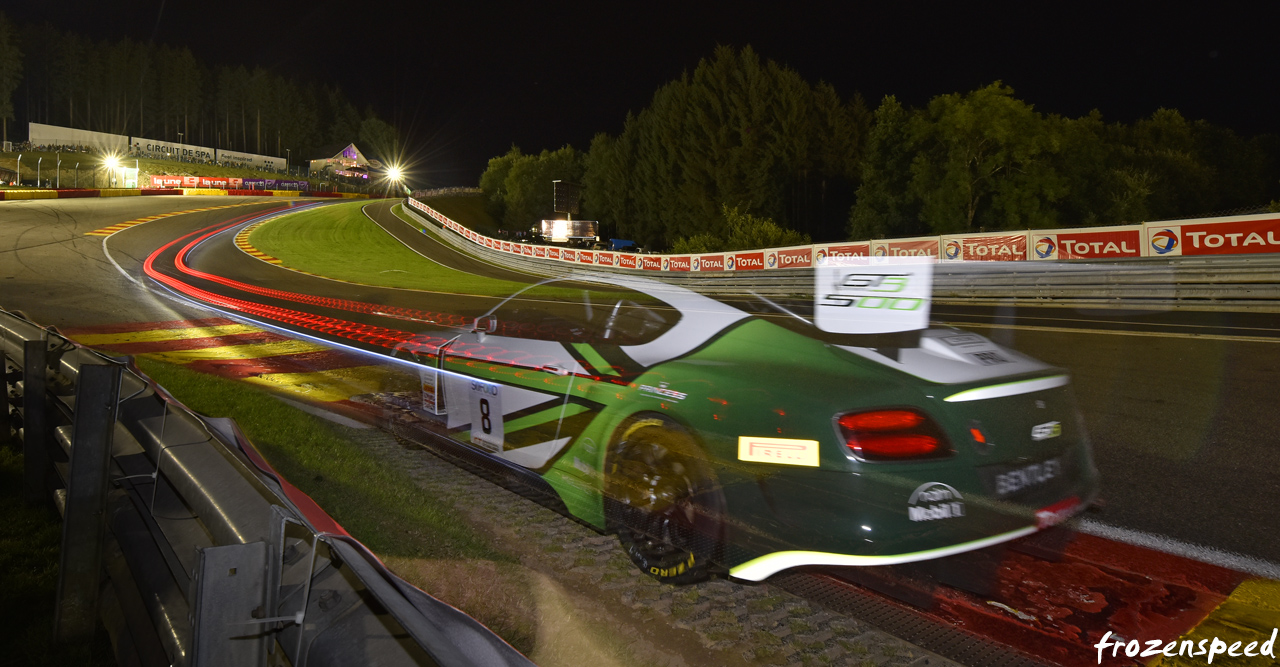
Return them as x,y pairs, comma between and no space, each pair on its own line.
858,295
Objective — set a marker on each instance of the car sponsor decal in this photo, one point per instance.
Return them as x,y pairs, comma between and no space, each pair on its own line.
432,391
933,501
784,451
1045,431
854,295
662,391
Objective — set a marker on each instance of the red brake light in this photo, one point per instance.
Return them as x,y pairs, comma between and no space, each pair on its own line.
881,420
892,435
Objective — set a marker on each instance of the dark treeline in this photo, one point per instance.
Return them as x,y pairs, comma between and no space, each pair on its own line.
162,92
741,139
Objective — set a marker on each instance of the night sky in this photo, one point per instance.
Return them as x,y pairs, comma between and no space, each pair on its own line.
466,80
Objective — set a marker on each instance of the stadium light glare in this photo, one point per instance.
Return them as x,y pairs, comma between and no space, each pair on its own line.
111,162
394,173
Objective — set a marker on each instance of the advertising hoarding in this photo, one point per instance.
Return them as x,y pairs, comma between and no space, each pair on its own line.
990,247
1243,235
926,246
1091,243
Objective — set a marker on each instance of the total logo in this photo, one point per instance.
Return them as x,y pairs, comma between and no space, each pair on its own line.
820,257
1164,241
1045,247
773,260
952,250
666,264
880,251
729,264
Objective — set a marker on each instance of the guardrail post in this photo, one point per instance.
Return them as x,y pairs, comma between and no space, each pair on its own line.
85,522
35,428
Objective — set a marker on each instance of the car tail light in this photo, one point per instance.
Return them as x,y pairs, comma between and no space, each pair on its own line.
893,435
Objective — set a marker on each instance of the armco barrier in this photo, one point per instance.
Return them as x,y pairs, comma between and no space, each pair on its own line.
1208,283
210,557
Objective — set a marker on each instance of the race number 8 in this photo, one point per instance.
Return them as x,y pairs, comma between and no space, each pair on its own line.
486,424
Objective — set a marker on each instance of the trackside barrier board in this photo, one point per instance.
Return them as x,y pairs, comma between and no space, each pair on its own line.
995,246
1087,243
1210,236
1238,235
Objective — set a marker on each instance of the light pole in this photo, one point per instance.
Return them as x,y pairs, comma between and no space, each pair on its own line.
137,174
77,175
58,170
38,161
288,154
19,169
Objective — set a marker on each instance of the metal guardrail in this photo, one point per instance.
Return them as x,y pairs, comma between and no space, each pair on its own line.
211,557
1187,283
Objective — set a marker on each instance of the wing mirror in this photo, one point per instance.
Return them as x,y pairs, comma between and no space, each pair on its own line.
486,324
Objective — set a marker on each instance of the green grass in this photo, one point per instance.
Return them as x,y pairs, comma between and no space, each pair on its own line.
30,541
469,211
340,241
374,500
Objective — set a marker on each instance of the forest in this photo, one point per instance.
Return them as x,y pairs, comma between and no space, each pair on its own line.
745,143
166,93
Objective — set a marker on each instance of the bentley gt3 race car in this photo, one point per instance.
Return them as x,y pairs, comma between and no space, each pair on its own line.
750,438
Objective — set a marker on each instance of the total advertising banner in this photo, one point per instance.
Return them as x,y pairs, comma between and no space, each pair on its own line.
172,150
1095,243
824,252
708,263
789,258
745,261
917,247
629,261
1215,236
677,263
993,247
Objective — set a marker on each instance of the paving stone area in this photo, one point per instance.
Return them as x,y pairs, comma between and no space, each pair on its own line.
760,623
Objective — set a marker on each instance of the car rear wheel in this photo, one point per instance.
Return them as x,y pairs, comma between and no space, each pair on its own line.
663,499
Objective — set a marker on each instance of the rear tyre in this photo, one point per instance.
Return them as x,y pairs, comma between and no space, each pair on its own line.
663,499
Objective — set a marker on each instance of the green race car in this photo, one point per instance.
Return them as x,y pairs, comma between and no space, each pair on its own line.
747,438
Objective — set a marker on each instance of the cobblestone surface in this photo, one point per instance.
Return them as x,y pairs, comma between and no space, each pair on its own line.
760,623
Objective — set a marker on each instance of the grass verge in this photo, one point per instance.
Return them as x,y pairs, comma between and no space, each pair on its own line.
377,503
422,537
30,541
340,241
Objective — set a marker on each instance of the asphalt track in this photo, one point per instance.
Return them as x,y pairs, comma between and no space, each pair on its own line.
1182,406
